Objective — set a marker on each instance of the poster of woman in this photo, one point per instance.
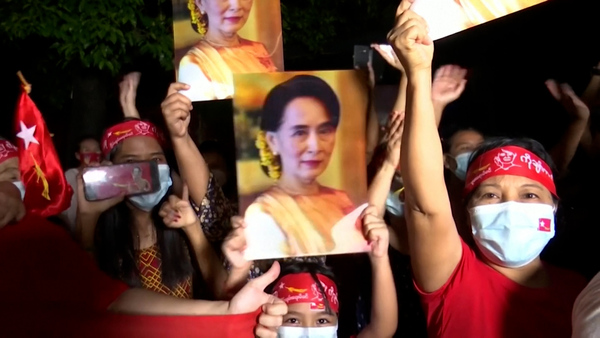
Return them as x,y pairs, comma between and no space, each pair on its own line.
446,17
215,39
300,141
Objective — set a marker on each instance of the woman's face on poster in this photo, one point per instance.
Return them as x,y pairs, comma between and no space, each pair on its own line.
226,16
304,140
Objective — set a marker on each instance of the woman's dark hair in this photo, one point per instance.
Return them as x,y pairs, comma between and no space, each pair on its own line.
298,86
526,143
314,269
115,244
448,138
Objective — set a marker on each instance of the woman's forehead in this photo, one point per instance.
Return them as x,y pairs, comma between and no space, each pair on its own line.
511,181
140,145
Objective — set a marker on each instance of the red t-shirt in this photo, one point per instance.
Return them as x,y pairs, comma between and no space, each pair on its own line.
478,301
49,286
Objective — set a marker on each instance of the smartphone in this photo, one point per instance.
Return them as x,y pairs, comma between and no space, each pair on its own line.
106,182
363,55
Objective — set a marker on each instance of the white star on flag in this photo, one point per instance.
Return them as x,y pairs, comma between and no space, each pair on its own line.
27,134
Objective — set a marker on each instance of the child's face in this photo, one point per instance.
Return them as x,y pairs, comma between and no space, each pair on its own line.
300,315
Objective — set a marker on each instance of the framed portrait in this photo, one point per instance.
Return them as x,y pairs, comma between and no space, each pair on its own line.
446,17
215,39
300,145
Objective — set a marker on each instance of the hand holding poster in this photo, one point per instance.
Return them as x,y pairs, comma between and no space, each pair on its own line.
446,17
300,140
215,39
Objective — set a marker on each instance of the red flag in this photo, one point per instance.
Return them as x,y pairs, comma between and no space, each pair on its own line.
47,191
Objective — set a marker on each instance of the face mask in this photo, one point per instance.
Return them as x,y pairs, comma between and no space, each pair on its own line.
512,234
87,158
462,164
220,177
307,332
394,205
148,201
21,188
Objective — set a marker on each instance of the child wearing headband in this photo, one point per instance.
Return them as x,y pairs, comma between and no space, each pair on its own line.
311,293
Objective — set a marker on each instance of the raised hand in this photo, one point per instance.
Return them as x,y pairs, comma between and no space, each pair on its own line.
410,39
176,110
564,94
376,233
12,208
235,244
393,138
388,54
178,212
448,84
271,319
127,94
252,296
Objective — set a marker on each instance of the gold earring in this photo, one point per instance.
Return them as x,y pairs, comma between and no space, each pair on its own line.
197,17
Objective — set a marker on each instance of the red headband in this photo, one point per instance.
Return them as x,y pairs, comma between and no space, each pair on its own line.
7,151
510,160
122,131
302,288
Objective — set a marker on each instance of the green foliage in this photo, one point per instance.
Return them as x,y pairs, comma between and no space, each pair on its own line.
93,34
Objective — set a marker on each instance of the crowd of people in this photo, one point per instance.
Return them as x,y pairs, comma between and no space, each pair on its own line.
456,227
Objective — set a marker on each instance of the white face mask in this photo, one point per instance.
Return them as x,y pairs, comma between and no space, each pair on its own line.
394,205
462,164
148,201
307,332
21,187
512,234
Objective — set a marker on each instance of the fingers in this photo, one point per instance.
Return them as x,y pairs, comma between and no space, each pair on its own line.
8,215
20,212
554,89
238,222
403,7
272,321
265,332
267,278
176,87
185,196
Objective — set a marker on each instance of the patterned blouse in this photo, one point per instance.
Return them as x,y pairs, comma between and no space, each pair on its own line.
149,265
215,213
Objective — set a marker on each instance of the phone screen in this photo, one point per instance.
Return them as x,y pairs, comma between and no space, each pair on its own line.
363,55
129,178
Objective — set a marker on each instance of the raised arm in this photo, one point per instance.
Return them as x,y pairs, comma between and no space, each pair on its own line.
178,213
194,171
128,93
579,114
448,85
388,54
384,308
435,246
233,248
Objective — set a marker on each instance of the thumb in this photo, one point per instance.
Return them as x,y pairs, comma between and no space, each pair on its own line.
267,278
553,89
185,195
176,87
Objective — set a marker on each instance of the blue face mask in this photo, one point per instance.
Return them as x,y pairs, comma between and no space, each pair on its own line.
21,187
147,202
394,205
462,164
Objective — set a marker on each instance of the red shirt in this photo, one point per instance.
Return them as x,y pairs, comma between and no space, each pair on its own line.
50,287
478,301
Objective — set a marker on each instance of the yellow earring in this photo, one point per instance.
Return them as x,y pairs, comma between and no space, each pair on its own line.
197,17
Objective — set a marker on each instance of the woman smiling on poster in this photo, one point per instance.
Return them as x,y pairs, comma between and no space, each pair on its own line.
298,216
208,67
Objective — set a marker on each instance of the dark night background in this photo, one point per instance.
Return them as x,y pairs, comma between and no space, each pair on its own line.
509,60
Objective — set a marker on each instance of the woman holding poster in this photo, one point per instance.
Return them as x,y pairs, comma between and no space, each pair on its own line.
298,216
208,67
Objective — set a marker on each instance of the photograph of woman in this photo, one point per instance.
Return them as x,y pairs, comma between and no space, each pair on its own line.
446,17
305,129
225,37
